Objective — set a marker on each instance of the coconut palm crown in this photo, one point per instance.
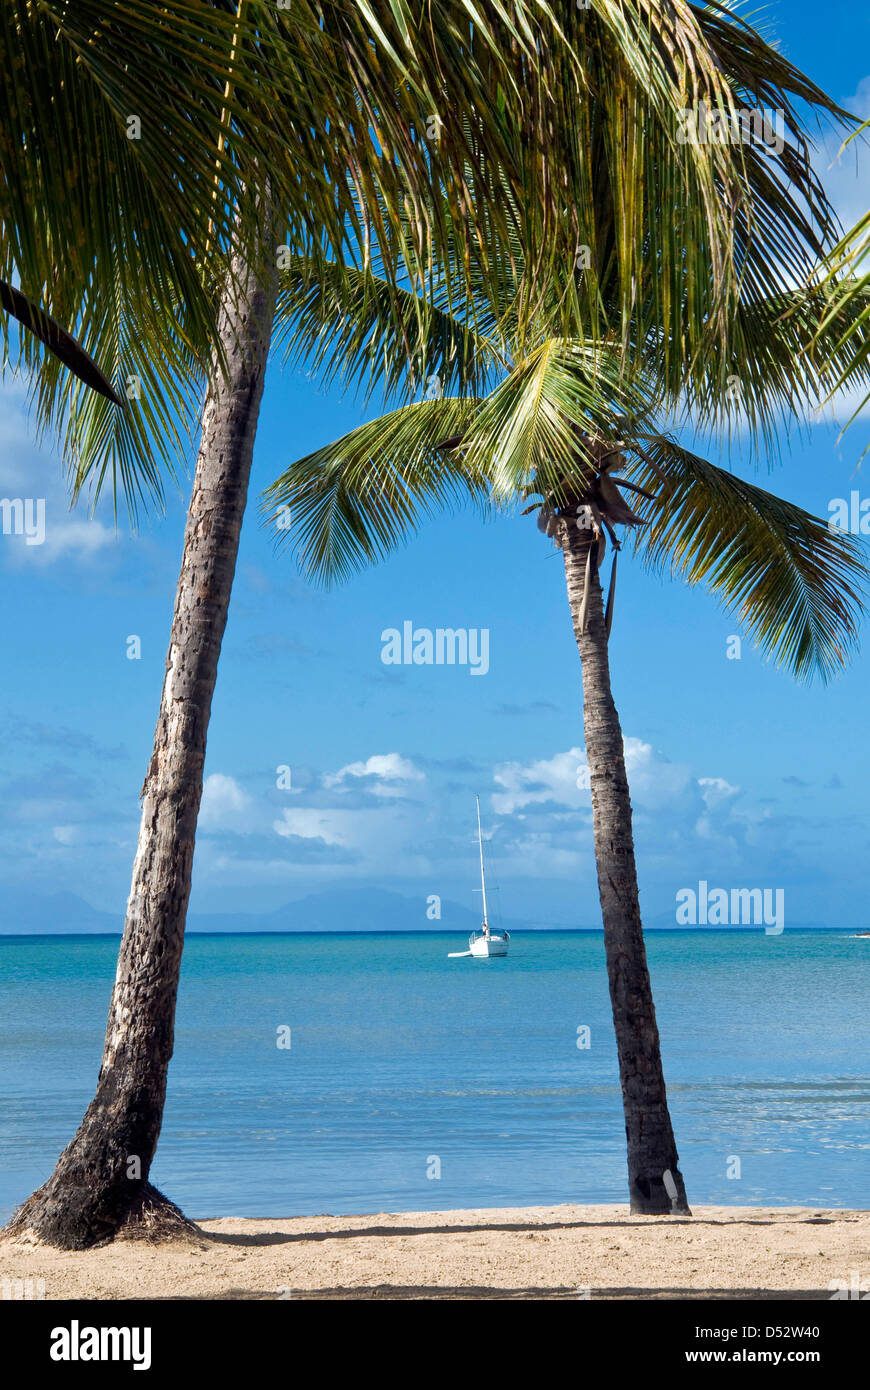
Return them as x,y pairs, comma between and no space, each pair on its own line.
562,423
122,182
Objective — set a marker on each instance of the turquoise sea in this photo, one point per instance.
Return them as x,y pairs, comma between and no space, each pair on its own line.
404,1064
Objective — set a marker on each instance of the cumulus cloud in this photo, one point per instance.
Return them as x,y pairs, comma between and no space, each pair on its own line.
377,841
387,774
536,783
716,791
844,168
225,805
718,820
654,780
362,816
29,470
559,780
77,538
544,819
689,823
313,823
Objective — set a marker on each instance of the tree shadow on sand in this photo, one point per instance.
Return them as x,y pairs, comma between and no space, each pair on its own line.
427,1293
263,1238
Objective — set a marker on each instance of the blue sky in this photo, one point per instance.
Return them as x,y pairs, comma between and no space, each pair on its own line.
739,776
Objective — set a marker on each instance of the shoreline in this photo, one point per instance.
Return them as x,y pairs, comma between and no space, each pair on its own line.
555,1252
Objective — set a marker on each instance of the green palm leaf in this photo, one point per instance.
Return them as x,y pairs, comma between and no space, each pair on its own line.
797,585
528,426
349,504
557,128
787,354
61,346
339,320
847,315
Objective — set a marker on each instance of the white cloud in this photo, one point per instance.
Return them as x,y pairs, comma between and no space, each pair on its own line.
549,779
391,771
225,805
312,823
32,470
374,841
716,791
78,537
537,821
544,857
654,781
719,821
546,821
844,168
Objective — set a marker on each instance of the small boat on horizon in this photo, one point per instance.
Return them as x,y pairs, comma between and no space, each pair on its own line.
486,942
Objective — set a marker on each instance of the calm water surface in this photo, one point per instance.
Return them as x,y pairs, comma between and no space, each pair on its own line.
403,1061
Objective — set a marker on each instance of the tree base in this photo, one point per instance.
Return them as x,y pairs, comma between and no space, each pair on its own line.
659,1196
73,1219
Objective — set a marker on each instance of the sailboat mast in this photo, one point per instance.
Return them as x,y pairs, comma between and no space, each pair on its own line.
482,875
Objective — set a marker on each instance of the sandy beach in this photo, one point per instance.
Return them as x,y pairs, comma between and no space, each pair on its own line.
561,1252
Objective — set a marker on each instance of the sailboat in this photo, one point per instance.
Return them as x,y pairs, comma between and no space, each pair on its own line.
486,942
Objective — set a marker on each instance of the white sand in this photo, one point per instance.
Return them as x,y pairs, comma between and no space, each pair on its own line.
524,1252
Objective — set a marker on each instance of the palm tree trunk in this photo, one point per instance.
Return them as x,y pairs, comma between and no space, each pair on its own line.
100,1184
652,1153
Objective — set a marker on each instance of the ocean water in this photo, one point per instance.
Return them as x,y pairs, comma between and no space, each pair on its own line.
414,1082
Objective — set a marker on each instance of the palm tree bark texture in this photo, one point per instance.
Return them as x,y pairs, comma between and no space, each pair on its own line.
655,1182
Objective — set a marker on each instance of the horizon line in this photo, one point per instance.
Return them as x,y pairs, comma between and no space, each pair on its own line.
422,931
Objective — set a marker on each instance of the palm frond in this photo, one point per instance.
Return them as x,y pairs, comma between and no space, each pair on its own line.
847,316
347,505
556,128
343,321
160,378
787,355
60,344
797,585
527,431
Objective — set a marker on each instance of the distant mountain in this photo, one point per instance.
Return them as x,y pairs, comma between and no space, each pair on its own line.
345,909
23,912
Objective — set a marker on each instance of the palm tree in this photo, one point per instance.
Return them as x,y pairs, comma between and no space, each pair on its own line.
848,283
560,420
423,141
334,127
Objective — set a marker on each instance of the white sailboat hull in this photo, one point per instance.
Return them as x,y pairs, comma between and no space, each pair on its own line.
488,946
